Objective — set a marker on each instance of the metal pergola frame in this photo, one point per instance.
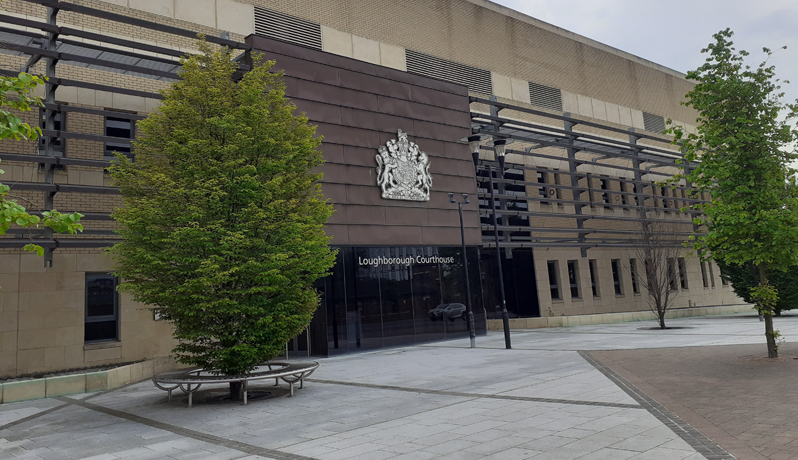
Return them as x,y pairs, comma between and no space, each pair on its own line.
626,157
51,46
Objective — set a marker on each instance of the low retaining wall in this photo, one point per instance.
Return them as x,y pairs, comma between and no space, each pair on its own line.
61,385
610,318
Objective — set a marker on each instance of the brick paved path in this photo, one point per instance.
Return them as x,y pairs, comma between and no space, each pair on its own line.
745,403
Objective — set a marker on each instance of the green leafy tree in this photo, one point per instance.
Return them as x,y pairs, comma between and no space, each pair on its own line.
743,278
16,95
223,224
744,147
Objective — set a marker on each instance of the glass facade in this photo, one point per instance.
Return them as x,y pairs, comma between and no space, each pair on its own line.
389,296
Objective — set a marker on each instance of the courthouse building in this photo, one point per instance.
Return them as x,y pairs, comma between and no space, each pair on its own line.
396,89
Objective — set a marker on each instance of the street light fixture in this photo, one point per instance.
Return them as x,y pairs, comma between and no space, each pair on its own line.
499,146
470,311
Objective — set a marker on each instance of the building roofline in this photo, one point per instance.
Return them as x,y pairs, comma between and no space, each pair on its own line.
509,12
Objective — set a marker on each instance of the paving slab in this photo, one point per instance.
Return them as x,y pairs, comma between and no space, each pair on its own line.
552,396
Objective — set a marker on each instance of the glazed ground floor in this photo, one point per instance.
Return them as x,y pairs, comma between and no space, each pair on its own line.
69,316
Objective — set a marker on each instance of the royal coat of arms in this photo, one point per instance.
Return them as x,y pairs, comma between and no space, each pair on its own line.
403,170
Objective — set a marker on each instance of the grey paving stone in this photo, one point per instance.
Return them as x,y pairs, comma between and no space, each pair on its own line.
387,404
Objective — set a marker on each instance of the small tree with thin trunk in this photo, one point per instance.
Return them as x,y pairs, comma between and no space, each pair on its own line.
744,147
658,250
223,224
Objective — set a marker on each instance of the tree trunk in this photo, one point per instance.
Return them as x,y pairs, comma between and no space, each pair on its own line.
235,391
661,319
773,352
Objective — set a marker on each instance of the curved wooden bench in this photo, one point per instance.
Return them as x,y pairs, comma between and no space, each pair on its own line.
190,380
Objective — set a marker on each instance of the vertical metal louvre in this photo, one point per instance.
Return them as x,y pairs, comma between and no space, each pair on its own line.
281,26
477,80
653,123
545,96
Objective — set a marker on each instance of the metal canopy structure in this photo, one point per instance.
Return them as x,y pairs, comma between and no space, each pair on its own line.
49,42
573,183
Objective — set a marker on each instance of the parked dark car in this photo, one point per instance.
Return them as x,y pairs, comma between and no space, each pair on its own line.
450,311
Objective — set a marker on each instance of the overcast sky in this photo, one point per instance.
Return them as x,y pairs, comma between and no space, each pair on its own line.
672,33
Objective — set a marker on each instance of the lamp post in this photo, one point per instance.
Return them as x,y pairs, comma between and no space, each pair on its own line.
499,146
471,329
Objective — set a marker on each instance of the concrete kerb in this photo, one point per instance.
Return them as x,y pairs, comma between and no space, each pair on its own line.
611,318
62,385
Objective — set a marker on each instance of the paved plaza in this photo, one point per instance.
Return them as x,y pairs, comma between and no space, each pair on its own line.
613,392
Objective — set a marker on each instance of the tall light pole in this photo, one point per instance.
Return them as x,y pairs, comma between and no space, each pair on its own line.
470,311
499,146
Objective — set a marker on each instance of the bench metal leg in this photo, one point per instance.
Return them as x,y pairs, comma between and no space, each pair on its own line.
170,395
301,383
190,397
291,385
245,391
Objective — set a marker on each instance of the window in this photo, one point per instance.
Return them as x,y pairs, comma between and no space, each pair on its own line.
554,285
711,274
634,190
664,194
102,308
633,271
58,143
704,274
593,281
683,272
573,278
616,276
542,191
624,188
557,190
672,274
119,127
605,197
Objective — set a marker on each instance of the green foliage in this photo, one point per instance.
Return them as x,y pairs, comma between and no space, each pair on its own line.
743,278
223,224
765,298
16,95
745,149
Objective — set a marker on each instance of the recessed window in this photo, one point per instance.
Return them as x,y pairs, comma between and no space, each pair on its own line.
616,276
102,308
593,281
542,191
554,284
633,271
711,274
573,278
58,143
122,128
672,274
704,273
683,272
605,197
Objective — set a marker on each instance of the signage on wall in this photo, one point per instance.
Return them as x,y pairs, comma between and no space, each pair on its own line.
403,170
376,261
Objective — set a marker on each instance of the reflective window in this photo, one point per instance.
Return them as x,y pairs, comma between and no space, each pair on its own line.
573,278
102,308
121,128
593,281
554,284
616,276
